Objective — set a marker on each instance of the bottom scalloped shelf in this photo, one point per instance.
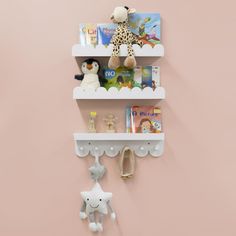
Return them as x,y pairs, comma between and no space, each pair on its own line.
111,144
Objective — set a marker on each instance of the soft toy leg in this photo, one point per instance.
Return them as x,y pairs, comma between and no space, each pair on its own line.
92,224
114,61
130,61
99,224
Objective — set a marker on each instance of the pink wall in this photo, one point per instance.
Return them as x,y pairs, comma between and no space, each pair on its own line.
190,191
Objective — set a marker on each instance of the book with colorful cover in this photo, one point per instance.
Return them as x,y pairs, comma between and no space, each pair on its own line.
88,34
121,77
147,76
127,119
105,33
145,119
138,76
147,26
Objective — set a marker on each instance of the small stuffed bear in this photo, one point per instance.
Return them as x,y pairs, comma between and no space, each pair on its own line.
90,77
121,36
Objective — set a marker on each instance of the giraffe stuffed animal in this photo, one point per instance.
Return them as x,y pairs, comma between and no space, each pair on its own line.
121,36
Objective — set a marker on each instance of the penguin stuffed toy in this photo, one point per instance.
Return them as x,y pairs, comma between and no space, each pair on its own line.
90,78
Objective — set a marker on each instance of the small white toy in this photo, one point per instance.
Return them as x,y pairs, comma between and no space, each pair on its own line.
110,122
96,201
97,170
91,122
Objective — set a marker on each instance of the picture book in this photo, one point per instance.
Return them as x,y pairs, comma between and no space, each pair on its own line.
138,76
150,77
127,120
145,119
88,34
147,76
156,76
105,33
121,77
147,26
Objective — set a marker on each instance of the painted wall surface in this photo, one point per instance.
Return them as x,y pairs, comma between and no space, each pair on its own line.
189,191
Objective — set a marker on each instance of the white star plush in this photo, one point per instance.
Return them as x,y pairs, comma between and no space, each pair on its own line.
96,200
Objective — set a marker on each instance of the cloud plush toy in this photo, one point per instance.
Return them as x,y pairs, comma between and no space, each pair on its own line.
96,200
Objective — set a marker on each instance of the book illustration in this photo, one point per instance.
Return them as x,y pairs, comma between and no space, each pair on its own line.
88,34
147,26
155,77
121,77
145,119
138,76
105,33
127,120
147,76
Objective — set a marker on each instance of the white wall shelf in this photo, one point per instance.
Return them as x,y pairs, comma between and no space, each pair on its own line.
123,93
112,144
103,51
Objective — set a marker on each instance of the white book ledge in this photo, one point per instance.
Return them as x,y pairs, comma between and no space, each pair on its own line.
106,51
123,93
111,144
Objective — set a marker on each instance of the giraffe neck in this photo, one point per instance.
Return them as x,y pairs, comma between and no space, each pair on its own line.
123,24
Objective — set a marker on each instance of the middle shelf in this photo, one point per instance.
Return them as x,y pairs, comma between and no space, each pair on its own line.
112,143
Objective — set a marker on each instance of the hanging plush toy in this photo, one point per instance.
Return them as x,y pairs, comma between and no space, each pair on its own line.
121,36
90,77
96,201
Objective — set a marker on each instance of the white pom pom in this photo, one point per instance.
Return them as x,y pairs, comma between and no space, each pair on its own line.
82,215
113,215
93,227
99,227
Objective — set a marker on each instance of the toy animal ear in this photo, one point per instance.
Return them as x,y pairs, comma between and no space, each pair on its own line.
131,10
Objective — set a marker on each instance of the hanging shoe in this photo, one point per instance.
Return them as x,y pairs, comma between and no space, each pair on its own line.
127,163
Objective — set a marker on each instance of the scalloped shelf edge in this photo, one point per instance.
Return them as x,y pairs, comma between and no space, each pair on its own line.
79,50
114,93
111,144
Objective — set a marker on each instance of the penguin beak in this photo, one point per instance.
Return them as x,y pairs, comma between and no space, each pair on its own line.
89,66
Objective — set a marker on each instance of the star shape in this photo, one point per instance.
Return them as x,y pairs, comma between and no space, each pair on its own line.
96,199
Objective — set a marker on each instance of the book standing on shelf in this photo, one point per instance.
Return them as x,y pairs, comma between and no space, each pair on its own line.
88,34
143,119
147,26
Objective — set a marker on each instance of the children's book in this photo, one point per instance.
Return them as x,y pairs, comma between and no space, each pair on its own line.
88,34
147,76
147,26
156,77
121,77
127,119
105,33
138,76
145,119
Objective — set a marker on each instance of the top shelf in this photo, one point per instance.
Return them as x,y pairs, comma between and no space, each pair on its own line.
106,51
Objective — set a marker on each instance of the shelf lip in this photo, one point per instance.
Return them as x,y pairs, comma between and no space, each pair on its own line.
113,93
146,50
118,136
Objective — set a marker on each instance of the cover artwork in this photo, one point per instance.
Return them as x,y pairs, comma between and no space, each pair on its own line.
121,77
88,34
147,26
145,119
105,33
